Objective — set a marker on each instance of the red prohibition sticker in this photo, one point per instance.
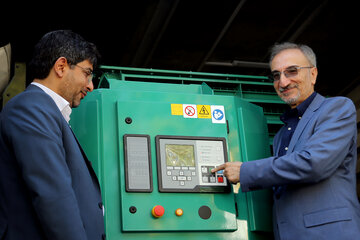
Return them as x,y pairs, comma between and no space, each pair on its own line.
189,111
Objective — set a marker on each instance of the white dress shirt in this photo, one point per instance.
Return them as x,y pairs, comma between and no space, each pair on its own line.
61,103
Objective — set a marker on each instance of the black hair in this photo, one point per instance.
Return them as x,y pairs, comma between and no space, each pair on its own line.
61,43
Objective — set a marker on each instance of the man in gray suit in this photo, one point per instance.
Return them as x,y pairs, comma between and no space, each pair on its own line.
313,168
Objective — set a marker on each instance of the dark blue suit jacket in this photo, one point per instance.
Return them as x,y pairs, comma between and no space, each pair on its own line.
48,189
318,198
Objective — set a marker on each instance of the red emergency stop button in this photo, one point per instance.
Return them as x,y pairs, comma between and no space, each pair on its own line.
158,211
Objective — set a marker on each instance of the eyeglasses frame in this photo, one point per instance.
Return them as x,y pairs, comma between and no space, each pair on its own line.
88,72
271,76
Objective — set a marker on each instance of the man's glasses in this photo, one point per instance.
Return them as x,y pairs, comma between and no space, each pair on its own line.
291,71
89,73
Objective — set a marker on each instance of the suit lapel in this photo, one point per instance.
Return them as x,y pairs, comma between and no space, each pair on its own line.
277,141
310,111
88,163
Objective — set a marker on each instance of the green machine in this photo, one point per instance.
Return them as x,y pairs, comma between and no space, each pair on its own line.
153,145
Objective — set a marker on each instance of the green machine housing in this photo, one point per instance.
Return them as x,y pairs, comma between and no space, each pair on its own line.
153,145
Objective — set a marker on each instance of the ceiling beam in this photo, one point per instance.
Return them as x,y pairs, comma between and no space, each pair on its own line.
306,23
222,33
156,28
296,28
162,30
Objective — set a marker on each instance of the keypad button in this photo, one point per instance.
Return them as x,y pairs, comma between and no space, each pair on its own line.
205,179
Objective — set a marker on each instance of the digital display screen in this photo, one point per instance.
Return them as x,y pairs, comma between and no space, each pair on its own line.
180,155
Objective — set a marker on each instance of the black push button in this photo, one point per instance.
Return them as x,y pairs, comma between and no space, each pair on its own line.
204,212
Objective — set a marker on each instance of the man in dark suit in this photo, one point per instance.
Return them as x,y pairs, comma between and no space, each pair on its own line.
313,168
48,189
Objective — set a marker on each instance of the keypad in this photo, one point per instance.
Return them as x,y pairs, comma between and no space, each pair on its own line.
181,174
208,177
187,174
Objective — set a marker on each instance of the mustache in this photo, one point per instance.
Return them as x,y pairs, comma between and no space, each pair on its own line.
84,92
290,86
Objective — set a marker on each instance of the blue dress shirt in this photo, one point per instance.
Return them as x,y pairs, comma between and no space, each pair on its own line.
291,119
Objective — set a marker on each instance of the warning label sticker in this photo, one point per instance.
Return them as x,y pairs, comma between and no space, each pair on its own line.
203,111
189,111
176,109
215,112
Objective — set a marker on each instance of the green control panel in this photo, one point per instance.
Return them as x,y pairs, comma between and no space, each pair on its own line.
153,145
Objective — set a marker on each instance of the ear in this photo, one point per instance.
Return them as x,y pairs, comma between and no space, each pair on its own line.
314,73
60,66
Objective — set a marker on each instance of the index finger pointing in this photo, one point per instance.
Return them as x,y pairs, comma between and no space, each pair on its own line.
221,167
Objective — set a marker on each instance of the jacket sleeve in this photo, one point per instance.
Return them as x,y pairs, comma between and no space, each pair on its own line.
34,131
325,144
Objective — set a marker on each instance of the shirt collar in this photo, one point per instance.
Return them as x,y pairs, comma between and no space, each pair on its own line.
304,105
299,110
60,102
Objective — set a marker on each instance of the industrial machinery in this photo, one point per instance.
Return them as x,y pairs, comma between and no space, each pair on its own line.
153,145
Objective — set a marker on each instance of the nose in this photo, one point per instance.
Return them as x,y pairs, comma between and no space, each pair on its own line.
284,81
90,86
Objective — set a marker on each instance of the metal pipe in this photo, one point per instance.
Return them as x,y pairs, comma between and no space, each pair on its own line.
237,63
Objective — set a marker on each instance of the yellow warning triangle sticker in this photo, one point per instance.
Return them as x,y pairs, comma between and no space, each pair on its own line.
203,111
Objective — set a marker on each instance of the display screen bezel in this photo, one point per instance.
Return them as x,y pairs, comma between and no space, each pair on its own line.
198,188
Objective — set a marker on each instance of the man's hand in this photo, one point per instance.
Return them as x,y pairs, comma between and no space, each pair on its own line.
231,171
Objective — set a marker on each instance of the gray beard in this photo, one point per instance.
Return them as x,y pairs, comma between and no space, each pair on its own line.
291,101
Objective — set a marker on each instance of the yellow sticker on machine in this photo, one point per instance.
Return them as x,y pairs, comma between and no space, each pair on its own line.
176,109
204,111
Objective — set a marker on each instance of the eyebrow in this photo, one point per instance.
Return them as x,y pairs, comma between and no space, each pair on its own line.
286,68
89,69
